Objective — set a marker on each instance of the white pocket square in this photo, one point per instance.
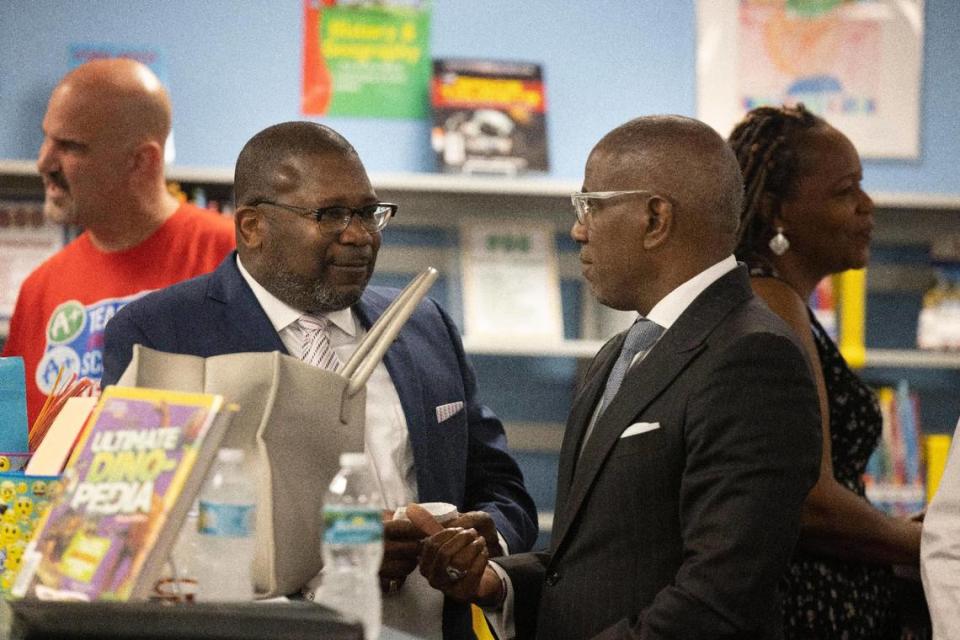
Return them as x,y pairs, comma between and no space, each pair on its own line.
639,427
447,411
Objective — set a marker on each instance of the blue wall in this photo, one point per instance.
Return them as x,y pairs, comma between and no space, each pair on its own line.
233,67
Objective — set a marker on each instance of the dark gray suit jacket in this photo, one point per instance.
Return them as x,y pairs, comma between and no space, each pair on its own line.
683,530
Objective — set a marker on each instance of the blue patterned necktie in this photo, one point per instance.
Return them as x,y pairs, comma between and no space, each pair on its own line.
642,335
315,347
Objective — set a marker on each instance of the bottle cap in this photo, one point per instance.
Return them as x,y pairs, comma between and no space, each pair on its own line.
230,455
353,459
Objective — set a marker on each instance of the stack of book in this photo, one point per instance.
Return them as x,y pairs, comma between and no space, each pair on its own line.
126,489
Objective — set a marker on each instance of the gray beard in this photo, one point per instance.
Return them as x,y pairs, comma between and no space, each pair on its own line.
306,296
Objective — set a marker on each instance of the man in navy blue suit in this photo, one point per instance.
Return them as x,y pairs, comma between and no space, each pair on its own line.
308,226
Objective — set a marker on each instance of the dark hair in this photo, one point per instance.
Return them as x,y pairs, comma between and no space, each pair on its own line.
264,154
767,145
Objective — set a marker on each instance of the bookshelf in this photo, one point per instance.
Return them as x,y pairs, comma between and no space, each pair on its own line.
438,200
534,425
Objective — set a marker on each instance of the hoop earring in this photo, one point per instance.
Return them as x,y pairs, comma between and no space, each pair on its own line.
779,243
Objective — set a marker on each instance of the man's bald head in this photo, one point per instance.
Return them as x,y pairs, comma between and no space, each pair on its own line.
125,95
267,164
683,159
102,156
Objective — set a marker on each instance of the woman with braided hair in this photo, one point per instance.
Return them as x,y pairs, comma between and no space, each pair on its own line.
805,217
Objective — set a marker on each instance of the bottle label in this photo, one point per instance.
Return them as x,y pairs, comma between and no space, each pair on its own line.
227,520
352,526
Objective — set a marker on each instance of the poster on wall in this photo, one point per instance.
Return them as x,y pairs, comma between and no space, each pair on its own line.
366,58
489,116
857,63
511,282
149,56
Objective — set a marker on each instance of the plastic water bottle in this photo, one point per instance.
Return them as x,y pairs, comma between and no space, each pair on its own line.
353,544
225,526
181,583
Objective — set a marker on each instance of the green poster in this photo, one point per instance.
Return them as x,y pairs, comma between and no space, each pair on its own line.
378,60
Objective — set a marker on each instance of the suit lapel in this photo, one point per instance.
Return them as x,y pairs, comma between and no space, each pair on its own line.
580,413
243,317
680,345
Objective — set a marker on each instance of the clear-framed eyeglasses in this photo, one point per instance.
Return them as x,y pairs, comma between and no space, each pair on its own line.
335,219
583,206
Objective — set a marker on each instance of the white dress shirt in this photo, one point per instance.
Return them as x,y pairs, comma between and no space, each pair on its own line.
418,608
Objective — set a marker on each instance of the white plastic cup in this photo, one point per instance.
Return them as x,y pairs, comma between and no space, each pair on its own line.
442,512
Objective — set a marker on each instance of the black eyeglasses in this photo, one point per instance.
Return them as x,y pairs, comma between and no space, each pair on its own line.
335,219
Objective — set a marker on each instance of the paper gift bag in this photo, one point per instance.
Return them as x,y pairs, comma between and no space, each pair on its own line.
296,419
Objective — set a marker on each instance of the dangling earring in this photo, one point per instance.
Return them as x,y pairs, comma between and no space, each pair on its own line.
779,243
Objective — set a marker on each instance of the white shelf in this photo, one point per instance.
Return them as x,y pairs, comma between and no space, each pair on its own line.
916,200
18,167
895,493
484,185
912,359
566,348
893,358
420,182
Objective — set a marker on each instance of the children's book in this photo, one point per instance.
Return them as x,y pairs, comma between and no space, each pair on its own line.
129,482
489,116
23,501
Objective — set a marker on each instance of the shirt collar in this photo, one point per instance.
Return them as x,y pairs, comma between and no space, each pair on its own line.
282,315
671,306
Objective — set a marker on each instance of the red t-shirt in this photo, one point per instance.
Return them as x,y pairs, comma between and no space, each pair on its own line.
64,305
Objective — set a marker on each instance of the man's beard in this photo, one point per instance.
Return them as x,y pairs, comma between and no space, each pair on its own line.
307,296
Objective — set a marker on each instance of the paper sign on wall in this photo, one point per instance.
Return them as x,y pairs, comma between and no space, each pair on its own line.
511,287
857,63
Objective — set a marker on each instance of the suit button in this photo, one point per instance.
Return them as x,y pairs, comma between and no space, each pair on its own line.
553,578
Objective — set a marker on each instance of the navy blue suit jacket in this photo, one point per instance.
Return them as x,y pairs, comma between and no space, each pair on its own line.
462,460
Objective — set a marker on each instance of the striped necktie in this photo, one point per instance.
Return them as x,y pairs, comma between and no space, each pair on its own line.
315,347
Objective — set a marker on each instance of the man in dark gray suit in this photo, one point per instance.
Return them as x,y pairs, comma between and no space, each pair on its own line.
694,437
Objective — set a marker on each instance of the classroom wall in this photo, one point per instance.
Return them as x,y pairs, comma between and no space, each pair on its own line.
233,67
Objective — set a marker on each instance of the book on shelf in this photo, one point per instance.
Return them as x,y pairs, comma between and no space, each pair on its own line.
894,476
127,487
489,116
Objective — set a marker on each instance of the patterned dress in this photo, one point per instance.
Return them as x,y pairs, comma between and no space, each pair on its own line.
826,598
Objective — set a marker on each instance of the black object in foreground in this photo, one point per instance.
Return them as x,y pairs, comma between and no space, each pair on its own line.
33,619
